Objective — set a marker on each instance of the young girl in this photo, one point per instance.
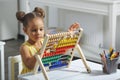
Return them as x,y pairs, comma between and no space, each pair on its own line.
33,23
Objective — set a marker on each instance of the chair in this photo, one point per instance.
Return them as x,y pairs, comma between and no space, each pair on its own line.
12,60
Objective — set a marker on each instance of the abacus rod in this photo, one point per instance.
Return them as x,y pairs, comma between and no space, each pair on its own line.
35,70
72,54
83,58
80,34
44,45
42,66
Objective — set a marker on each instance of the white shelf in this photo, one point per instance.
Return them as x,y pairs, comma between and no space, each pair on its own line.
2,60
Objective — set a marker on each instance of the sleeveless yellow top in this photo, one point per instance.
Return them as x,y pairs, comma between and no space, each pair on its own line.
33,51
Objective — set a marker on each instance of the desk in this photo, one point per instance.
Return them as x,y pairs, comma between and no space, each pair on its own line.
110,8
76,71
2,60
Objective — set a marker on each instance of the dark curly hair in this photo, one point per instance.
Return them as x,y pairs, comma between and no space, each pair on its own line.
25,18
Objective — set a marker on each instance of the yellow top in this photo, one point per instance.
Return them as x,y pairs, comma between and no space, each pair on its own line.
33,51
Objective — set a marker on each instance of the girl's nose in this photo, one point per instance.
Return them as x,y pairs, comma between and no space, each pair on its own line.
38,32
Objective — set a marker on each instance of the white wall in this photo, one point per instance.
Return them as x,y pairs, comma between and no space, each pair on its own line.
8,22
92,25
118,35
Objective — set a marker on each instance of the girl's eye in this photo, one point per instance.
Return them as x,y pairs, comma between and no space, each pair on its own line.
41,29
34,30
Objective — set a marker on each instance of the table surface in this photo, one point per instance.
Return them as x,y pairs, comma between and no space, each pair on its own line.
76,71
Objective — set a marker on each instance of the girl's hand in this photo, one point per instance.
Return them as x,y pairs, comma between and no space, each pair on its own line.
74,27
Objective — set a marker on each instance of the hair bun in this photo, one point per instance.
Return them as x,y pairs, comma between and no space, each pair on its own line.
20,15
40,11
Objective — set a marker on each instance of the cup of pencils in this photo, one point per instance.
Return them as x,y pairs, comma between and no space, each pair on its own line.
109,61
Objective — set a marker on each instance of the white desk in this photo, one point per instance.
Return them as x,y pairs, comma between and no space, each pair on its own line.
110,8
76,71
2,60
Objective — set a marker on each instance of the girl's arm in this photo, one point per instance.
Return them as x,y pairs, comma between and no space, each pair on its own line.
28,60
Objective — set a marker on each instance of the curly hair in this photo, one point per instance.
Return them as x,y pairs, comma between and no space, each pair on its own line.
25,18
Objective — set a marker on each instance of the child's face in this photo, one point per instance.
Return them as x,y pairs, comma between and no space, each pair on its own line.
35,29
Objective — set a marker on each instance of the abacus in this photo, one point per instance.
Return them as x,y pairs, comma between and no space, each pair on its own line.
57,51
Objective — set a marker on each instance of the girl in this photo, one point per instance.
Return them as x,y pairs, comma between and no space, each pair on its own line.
33,23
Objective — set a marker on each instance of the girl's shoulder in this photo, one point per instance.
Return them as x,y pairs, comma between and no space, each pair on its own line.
25,45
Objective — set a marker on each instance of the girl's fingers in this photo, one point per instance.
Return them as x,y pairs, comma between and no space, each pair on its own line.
74,27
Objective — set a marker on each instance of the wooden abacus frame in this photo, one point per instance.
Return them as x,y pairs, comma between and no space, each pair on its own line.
57,39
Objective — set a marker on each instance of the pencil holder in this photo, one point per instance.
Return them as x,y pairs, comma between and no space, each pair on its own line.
110,66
